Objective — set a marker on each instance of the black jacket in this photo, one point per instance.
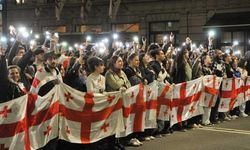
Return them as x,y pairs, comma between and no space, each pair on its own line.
147,74
133,76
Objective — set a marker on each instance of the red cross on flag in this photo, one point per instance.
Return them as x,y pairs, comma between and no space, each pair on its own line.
164,101
44,119
185,101
151,92
211,89
232,94
13,123
87,117
134,107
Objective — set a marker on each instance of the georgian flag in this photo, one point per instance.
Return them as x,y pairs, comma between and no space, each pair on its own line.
41,78
87,117
165,92
44,119
185,100
247,89
58,8
232,94
13,124
134,108
151,93
113,8
211,89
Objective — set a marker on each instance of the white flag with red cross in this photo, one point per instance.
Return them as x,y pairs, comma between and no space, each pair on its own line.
247,88
211,89
87,117
43,121
164,101
232,94
134,108
151,92
185,100
13,124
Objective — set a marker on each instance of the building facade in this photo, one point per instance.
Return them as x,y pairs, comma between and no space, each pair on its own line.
150,18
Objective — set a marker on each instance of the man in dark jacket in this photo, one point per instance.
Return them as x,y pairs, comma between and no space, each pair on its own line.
220,71
47,77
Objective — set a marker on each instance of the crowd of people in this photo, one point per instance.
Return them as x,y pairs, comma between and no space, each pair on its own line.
26,68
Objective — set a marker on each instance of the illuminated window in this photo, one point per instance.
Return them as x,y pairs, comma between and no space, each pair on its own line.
125,27
20,2
60,29
89,28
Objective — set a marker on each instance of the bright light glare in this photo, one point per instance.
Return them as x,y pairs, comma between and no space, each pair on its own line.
76,45
3,39
25,34
11,27
22,29
115,36
183,44
106,40
70,48
102,50
165,38
56,34
227,51
211,33
136,39
194,45
238,52
32,42
64,43
12,39
236,43
88,38
47,36
127,45
37,36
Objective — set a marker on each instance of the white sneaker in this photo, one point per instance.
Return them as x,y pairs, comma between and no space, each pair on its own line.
147,138
227,118
243,115
138,141
134,142
152,137
234,117
200,126
194,126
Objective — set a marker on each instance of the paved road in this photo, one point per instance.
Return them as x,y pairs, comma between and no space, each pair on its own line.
232,135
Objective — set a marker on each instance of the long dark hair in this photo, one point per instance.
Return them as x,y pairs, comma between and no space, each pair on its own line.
112,62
